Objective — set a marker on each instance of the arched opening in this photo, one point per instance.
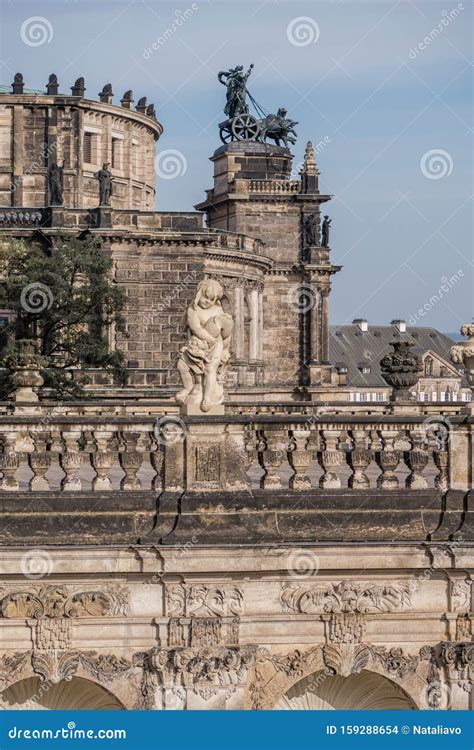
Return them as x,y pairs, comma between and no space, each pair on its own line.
366,691
78,694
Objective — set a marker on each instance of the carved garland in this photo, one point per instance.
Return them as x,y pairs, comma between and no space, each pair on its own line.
38,602
345,597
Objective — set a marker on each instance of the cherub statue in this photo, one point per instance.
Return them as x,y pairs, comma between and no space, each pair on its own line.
208,347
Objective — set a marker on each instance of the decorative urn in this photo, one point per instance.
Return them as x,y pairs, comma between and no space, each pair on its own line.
401,368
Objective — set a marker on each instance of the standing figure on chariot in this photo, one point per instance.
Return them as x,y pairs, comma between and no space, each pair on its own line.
236,82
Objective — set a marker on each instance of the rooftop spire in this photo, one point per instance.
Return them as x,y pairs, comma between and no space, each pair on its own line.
309,172
309,163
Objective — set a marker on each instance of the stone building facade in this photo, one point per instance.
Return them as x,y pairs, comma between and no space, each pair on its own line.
292,550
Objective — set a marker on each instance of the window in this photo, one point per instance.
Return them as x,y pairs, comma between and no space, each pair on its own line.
422,396
117,153
88,147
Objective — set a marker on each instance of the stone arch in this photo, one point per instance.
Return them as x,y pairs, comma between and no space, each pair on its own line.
274,675
366,691
76,694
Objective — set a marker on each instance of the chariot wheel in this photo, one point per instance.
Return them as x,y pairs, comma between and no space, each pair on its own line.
225,133
245,127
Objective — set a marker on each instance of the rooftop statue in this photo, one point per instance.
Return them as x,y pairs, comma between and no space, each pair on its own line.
241,124
236,83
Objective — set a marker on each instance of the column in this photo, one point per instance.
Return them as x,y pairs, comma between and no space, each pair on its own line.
254,324
238,343
325,325
18,156
315,325
260,324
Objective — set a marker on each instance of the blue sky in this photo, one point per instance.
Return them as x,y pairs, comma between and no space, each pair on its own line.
384,106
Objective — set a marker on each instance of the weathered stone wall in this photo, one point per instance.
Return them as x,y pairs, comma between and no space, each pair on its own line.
36,131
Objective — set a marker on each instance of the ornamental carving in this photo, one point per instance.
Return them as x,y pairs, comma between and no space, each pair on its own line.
198,668
346,597
38,602
461,594
204,601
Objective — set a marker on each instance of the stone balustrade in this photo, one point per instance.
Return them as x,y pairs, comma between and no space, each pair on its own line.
275,186
270,452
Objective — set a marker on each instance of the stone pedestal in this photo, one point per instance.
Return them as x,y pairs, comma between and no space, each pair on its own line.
55,216
104,217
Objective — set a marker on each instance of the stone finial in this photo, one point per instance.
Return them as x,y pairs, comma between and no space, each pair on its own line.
79,87
463,353
17,85
401,369
25,367
309,172
127,99
309,163
52,85
141,106
106,94
150,110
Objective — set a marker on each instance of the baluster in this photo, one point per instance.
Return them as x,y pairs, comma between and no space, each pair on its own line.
300,460
70,460
102,460
441,459
39,461
359,459
387,459
330,458
10,462
157,454
131,460
416,459
275,448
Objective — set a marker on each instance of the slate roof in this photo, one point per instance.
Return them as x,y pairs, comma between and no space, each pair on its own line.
351,347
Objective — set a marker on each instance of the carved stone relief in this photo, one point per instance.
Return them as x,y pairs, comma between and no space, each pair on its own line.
203,601
345,597
51,601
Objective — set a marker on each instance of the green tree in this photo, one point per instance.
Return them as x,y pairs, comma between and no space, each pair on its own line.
65,299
